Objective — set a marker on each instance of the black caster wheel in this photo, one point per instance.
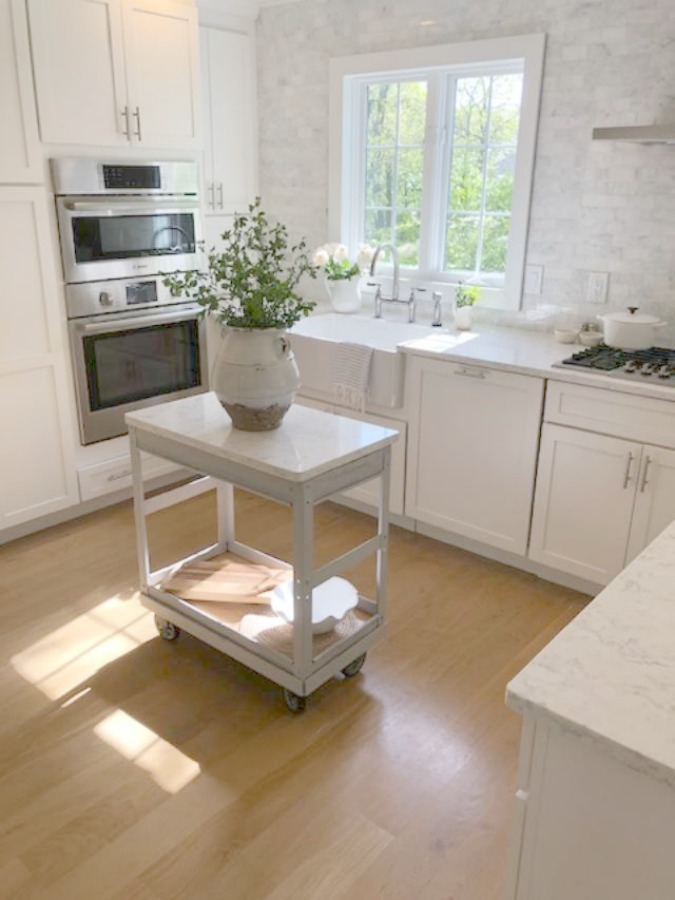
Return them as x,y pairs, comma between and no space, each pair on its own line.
294,702
167,630
354,667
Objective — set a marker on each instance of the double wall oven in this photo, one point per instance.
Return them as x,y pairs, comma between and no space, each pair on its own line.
122,228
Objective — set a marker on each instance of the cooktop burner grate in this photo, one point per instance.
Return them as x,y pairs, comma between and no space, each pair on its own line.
657,363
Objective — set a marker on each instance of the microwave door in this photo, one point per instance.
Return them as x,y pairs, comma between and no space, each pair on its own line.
102,240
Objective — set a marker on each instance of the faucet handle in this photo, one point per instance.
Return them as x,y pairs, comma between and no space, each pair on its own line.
437,297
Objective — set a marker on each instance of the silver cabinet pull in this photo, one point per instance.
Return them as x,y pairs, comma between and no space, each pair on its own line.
137,116
220,194
470,373
645,479
212,195
627,477
125,116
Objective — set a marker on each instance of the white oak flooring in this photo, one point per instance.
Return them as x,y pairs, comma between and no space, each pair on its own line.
136,769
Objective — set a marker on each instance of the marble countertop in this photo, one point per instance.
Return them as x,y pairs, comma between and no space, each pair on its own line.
609,675
526,352
306,444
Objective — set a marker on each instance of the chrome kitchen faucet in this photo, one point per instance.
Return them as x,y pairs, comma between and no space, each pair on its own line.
411,302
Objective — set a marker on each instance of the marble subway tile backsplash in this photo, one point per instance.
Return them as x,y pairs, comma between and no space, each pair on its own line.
596,206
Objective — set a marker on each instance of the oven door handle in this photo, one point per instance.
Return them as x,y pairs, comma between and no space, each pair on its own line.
113,208
118,324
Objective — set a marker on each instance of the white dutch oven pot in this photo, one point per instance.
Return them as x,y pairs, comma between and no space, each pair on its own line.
631,330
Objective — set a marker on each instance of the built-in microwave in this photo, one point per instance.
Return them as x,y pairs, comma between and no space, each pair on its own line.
122,220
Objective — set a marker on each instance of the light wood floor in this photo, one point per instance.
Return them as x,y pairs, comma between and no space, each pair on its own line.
135,769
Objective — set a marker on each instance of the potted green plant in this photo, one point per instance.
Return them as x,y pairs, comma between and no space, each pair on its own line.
250,286
465,297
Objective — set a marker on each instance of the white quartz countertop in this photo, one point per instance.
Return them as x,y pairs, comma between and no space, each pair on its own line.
526,352
610,674
306,444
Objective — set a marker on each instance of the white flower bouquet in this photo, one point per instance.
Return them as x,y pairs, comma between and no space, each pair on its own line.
334,260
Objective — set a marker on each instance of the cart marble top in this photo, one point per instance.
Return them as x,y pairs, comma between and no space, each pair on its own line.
308,442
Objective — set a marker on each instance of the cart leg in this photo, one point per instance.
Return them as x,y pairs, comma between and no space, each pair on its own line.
167,630
354,667
294,702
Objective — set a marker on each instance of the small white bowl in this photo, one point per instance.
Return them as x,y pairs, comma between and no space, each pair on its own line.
331,601
590,338
565,335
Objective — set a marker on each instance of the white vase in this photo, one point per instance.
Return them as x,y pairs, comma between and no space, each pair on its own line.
463,318
255,376
345,294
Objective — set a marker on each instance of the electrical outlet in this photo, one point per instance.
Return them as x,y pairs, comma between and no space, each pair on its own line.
596,291
534,276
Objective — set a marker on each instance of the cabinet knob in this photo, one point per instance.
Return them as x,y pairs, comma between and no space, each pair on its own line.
105,299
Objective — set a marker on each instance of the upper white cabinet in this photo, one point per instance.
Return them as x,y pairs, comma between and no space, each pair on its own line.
37,470
472,450
116,72
603,492
19,147
229,114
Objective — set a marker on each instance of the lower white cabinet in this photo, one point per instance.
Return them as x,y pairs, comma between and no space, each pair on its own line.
600,498
472,450
367,492
115,475
587,825
37,471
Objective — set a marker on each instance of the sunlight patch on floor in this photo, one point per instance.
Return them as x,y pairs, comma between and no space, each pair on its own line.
70,655
166,765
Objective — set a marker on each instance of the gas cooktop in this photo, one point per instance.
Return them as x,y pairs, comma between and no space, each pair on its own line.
657,364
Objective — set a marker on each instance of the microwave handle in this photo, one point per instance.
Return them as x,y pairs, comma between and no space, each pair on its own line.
112,207
115,323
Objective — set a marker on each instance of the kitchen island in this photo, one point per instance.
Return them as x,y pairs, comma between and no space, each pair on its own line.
595,804
224,593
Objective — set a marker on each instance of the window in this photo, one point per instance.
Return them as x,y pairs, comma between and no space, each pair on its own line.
433,153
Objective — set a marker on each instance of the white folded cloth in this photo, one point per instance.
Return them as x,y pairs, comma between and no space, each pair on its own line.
350,374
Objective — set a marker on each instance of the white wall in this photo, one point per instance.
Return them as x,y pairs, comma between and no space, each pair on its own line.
596,206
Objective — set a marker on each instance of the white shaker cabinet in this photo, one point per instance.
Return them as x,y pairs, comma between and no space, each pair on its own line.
37,470
368,492
229,115
20,158
473,436
116,73
602,497
584,502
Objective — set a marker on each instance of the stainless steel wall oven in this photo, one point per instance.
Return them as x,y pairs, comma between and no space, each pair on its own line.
121,227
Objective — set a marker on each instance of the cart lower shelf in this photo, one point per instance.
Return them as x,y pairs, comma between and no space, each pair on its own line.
247,586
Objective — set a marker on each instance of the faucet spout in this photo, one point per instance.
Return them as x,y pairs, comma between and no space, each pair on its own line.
394,258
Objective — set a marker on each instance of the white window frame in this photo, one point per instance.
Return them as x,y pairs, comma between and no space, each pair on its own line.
525,53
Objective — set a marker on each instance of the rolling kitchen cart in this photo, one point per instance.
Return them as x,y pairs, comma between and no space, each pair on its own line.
310,457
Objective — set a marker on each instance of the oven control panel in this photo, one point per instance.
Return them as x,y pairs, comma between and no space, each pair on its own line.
104,297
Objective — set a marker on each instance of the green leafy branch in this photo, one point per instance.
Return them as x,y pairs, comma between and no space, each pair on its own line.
252,281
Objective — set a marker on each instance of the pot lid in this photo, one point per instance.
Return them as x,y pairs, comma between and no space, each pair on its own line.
631,316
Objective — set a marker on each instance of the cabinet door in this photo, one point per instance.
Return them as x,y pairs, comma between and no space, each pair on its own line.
584,502
230,100
37,472
473,450
20,158
369,492
162,61
655,499
78,61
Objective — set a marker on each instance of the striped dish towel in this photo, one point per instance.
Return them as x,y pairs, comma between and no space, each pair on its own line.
350,373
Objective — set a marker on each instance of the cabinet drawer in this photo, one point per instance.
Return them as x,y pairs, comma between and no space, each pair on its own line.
115,475
611,412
